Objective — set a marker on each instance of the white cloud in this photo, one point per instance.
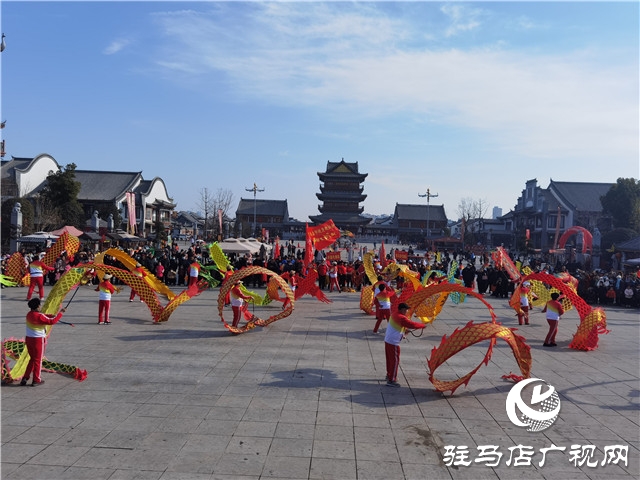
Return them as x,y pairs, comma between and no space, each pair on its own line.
116,46
359,63
463,18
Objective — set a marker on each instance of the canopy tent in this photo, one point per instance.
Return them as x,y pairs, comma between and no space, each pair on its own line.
71,230
232,245
243,245
36,241
90,237
127,237
257,245
122,236
38,237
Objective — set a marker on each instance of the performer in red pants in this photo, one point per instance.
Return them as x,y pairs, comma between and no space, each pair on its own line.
395,333
37,271
36,339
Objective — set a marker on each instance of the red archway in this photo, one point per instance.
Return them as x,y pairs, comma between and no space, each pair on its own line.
587,242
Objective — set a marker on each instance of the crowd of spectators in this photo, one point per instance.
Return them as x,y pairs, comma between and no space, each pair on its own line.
171,265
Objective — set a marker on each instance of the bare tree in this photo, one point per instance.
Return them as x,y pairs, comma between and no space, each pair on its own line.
47,216
224,199
207,205
210,203
470,209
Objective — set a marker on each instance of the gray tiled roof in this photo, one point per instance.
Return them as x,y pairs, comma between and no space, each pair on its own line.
263,207
188,218
581,196
16,164
99,185
144,186
419,212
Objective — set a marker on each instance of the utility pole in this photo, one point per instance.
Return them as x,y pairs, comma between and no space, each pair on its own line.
429,196
255,191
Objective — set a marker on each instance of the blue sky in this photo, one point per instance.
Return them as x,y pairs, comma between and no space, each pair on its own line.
468,99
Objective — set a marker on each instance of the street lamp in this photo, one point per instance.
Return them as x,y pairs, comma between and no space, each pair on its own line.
255,190
429,195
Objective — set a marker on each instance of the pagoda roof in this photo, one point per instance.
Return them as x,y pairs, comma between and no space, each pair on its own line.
347,170
329,191
341,219
346,196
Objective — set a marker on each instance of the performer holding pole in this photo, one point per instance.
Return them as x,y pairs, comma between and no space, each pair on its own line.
37,268
36,340
398,324
106,289
237,301
554,310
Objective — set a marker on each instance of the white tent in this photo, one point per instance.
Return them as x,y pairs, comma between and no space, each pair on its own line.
242,245
257,244
233,245
38,237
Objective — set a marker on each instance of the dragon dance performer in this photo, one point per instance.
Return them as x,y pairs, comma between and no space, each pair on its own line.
333,277
138,272
398,325
194,272
523,314
554,310
36,271
383,305
106,289
376,290
227,274
36,340
293,283
237,301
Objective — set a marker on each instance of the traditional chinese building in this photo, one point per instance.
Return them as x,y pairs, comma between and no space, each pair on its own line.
341,192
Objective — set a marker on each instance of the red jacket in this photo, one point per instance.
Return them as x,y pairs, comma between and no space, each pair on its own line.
38,321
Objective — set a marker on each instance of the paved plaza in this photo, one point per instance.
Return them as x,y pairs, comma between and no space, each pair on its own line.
305,398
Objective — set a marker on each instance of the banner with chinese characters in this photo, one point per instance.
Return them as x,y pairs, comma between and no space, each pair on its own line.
323,235
333,256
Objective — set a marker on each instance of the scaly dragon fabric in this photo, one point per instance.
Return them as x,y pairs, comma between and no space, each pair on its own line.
253,320
593,321
469,335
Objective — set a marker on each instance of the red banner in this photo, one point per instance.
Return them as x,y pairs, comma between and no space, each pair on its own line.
383,256
334,256
308,249
401,255
323,235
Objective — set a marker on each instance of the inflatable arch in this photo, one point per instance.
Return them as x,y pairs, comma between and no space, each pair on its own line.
587,243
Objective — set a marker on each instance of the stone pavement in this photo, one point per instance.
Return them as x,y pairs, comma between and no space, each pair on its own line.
304,398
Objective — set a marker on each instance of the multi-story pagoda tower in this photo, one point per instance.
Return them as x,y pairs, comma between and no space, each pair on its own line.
341,193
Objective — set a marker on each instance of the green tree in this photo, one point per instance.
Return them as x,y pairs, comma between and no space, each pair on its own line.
62,190
622,202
